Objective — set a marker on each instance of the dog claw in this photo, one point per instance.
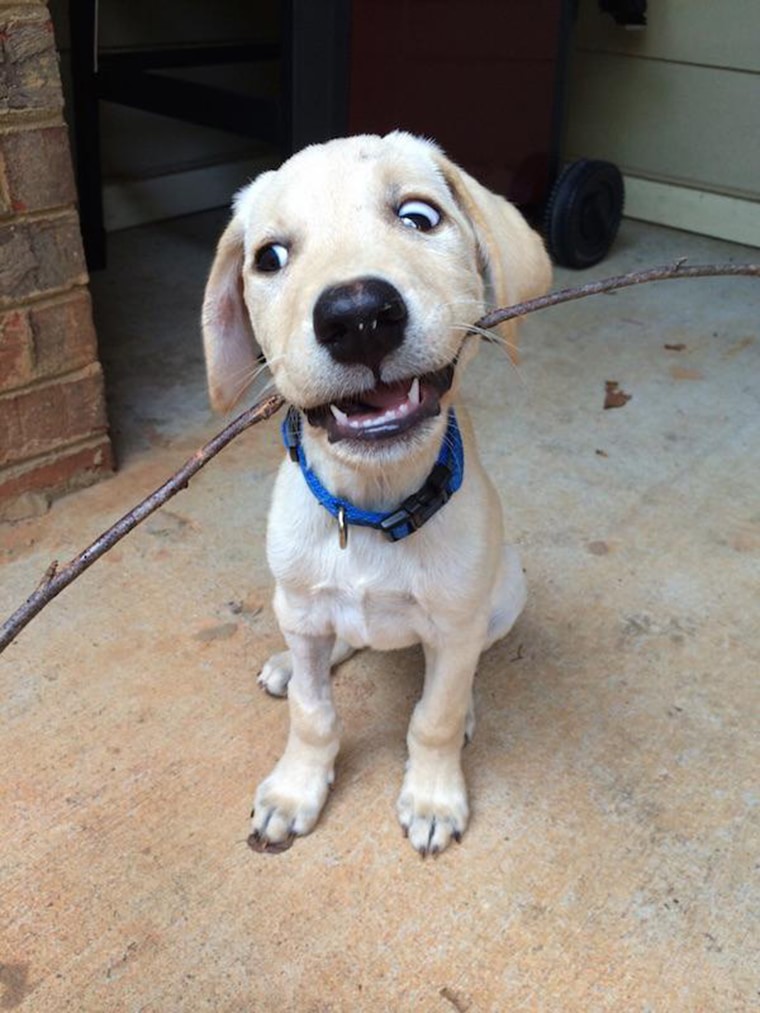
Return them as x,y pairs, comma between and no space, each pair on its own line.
262,846
431,834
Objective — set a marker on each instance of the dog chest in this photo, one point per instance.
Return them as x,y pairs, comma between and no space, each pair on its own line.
377,593
362,611
384,621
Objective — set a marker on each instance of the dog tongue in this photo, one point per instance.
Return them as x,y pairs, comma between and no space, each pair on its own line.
386,395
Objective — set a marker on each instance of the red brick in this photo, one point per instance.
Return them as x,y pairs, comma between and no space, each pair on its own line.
55,474
16,350
46,340
17,263
36,257
29,77
38,169
63,335
39,419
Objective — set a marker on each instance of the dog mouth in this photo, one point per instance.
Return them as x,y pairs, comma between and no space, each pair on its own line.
386,410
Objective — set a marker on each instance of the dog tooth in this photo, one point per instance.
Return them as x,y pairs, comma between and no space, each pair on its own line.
414,392
340,416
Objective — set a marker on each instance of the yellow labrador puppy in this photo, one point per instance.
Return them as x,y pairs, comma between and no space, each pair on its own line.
356,268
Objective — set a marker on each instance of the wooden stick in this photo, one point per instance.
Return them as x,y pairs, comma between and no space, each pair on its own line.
55,579
666,273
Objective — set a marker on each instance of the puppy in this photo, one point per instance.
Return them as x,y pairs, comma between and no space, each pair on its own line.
356,268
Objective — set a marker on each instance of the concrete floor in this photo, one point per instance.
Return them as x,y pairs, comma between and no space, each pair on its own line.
611,860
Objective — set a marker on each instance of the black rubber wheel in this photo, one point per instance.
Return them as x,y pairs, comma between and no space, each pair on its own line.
583,213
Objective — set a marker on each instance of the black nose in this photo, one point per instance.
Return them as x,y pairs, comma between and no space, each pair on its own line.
361,321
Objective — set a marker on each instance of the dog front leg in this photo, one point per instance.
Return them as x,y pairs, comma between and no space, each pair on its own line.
288,802
275,675
432,807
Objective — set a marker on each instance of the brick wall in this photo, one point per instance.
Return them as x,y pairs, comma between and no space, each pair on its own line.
53,429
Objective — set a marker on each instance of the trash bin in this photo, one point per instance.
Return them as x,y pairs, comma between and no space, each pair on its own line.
486,79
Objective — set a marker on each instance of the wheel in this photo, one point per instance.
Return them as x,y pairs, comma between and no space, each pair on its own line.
583,213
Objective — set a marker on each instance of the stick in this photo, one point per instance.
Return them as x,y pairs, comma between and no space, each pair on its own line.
671,271
55,579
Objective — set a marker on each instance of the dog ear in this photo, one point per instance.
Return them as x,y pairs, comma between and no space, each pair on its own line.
228,340
516,265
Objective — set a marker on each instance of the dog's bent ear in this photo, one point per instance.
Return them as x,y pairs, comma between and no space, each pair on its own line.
516,264
228,341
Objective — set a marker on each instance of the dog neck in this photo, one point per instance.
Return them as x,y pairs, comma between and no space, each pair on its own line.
387,505
373,482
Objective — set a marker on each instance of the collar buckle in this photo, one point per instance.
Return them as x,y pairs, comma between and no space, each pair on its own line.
418,508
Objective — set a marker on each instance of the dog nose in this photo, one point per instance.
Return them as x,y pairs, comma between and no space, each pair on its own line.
360,321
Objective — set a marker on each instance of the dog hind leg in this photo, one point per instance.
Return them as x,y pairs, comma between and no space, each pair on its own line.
509,597
469,721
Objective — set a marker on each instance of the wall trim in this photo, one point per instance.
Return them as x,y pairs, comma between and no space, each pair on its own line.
681,207
131,202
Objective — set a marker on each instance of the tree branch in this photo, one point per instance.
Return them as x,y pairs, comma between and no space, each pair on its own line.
55,579
666,273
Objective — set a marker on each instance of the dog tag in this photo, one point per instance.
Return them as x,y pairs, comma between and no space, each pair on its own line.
342,527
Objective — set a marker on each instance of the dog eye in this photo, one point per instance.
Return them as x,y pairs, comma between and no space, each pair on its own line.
416,214
272,257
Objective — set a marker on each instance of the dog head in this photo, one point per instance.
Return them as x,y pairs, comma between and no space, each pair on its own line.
357,268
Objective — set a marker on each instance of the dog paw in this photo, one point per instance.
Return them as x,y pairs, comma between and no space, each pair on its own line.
432,809
287,805
275,675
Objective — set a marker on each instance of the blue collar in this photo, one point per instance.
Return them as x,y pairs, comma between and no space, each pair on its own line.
441,483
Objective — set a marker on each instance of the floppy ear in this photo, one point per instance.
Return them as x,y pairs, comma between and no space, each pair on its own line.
516,264
228,340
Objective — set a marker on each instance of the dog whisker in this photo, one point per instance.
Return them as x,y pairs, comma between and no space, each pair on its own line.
464,301
245,379
249,377
492,338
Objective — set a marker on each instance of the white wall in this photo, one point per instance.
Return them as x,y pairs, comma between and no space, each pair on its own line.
677,107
